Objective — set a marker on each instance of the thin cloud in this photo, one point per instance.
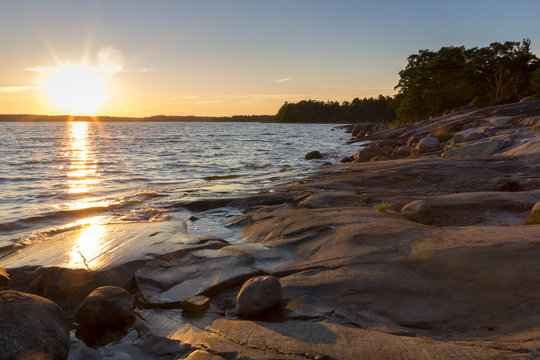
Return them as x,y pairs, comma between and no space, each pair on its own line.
280,80
16,89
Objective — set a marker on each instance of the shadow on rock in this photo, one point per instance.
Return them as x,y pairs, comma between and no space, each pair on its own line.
306,331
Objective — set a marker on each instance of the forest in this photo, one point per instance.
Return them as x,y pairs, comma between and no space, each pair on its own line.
435,82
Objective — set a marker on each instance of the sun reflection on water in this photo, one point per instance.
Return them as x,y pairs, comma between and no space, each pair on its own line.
88,244
82,175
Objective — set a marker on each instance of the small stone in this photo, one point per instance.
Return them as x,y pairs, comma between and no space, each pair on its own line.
195,304
106,306
418,211
313,155
257,295
32,327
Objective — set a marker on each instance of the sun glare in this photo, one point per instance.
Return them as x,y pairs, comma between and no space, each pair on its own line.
78,89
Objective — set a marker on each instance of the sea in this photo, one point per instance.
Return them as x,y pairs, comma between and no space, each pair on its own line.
60,176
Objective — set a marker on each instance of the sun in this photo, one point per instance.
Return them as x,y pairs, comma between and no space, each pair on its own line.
79,89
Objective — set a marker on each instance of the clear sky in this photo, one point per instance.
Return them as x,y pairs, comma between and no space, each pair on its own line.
225,57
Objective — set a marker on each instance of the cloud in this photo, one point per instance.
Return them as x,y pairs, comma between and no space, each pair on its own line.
16,89
280,80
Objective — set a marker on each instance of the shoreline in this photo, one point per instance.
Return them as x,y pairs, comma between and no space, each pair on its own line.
456,277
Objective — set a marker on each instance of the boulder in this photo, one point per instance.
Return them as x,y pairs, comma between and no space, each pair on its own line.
404,151
195,304
414,139
525,99
32,327
536,209
427,144
313,155
257,295
457,139
418,211
106,307
371,152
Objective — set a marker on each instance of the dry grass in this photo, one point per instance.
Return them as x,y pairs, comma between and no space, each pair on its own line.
532,220
383,206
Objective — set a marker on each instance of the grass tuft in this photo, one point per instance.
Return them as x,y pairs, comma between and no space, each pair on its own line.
383,206
532,220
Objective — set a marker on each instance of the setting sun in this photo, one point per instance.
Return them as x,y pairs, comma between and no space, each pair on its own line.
78,89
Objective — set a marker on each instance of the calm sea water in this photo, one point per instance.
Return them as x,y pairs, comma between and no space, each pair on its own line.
58,176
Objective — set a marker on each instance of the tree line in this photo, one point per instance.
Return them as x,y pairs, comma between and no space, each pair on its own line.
434,82
311,111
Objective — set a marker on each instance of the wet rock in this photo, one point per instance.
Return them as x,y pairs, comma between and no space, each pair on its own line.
313,155
106,307
257,295
418,211
369,153
427,144
32,327
195,304
346,159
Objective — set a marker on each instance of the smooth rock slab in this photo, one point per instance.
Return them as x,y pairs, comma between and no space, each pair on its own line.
106,306
257,295
32,327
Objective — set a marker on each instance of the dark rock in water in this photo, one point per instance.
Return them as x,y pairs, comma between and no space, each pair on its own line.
193,218
418,211
511,186
32,327
195,304
313,155
346,159
106,306
257,295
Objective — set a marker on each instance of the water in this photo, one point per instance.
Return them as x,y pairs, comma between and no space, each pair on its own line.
58,176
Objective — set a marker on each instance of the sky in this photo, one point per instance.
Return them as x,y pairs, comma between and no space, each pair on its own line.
230,57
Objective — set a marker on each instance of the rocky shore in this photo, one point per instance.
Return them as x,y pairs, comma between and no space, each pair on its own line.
415,249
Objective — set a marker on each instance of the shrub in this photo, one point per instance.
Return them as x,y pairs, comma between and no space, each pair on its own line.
442,135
